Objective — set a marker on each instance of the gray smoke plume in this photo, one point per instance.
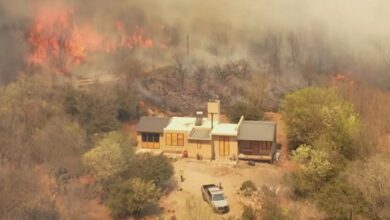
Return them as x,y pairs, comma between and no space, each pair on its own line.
222,30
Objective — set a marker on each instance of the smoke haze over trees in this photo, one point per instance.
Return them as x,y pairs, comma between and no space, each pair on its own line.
278,37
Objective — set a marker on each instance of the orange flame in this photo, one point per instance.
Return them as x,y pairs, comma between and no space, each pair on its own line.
55,37
342,78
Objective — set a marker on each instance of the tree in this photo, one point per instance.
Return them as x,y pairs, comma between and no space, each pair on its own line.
60,143
97,112
295,45
255,93
25,106
110,156
312,113
127,101
180,70
223,73
249,111
340,200
149,167
199,78
371,178
18,187
131,197
315,169
272,46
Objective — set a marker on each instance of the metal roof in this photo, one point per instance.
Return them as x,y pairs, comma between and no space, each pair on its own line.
185,124
225,129
257,131
202,134
152,124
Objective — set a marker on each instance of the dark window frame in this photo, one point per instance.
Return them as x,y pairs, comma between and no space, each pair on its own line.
151,137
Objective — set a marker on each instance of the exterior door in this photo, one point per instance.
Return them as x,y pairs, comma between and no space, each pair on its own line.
224,146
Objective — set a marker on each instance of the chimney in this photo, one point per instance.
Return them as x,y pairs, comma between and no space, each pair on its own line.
199,118
213,110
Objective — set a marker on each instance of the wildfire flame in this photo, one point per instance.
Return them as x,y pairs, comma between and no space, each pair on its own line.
342,78
56,39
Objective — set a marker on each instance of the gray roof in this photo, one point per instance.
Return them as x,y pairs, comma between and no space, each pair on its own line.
152,124
257,131
200,134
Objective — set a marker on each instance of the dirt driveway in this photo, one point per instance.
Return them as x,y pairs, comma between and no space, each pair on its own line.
198,173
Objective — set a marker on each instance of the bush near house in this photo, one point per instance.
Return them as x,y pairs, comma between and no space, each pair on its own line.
96,112
110,156
250,112
249,184
320,113
131,181
131,197
149,167
315,170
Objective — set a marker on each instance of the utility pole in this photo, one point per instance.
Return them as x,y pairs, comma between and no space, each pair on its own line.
212,141
188,45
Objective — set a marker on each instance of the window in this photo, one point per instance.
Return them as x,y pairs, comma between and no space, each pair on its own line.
266,145
150,137
150,140
199,145
174,139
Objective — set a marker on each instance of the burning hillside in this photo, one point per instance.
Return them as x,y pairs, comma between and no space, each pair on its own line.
58,39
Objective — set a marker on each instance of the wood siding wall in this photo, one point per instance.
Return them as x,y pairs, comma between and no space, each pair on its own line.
255,147
225,147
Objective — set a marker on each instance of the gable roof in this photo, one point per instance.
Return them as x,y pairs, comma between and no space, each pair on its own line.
152,124
257,131
202,134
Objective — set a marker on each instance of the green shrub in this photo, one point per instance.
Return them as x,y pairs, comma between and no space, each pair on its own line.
149,167
131,197
340,200
249,111
313,113
315,170
110,156
96,112
126,105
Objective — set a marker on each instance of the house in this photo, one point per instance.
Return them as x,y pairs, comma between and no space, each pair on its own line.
207,138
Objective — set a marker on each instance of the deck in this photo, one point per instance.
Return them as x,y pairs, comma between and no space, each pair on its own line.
254,157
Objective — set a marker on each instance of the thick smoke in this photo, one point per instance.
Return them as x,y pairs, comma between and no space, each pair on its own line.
218,31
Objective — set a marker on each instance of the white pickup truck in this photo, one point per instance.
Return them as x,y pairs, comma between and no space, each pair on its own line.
212,194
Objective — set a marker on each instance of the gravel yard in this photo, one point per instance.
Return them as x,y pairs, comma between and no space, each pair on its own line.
198,173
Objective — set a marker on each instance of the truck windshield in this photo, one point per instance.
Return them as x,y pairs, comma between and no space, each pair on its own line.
218,197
